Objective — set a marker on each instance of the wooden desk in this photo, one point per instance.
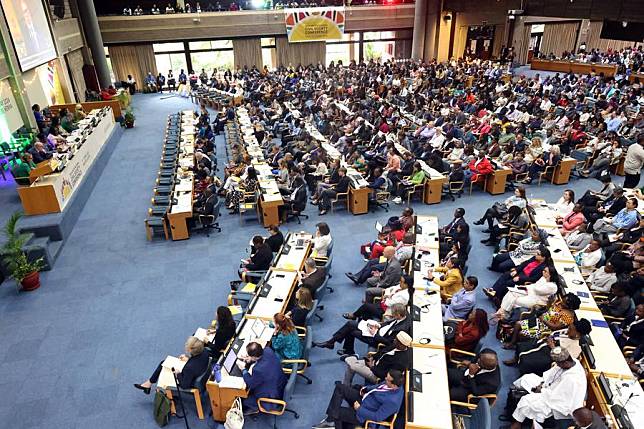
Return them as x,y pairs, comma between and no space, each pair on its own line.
495,182
624,392
634,76
573,66
434,190
561,175
359,200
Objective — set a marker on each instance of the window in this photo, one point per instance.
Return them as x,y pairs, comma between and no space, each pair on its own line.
269,52
174,62
379,35
168,47
346,50
109,63
211,60
210,45
379,50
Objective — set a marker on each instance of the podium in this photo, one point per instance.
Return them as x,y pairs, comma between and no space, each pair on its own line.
359,200
562,172
433,190
495,183
222,398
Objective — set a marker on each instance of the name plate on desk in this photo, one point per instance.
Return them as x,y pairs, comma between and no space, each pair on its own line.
416,381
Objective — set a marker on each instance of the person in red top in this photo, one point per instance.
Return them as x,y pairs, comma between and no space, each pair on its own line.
469,332
384,127
527,272
478,168
572,220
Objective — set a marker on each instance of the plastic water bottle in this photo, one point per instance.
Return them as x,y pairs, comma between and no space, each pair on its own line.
216,372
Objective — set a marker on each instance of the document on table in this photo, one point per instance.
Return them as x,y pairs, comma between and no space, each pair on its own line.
173,362
231,382
203,335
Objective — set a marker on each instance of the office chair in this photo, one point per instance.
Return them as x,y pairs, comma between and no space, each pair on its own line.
282,404
209,222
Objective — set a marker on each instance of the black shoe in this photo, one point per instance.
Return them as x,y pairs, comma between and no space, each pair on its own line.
490,243
486,241
479,222
343,352
486,231
325,345
146,390
351,277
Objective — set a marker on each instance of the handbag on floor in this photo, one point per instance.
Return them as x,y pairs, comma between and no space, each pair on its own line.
161,408
235,416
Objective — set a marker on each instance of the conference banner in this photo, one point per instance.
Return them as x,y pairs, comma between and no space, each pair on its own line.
314,24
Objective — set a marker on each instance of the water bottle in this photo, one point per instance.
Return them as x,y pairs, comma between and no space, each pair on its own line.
216,372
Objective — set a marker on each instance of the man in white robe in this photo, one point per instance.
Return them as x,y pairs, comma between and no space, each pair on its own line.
560,391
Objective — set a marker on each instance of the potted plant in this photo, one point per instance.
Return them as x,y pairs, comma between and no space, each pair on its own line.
23,271
129,118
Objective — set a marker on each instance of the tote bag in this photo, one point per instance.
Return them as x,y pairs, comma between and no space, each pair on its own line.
235,416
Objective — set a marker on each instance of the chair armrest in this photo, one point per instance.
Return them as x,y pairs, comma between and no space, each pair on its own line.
296,363
613,318
453,353
464,404
261,401
491,396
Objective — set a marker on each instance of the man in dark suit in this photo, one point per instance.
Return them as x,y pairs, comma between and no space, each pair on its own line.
376,402
384,333
328,194
263,375
389,276
450,230
312,277
260,260
481,377
587,419
39,153
374,368
206,203
527,272
609,207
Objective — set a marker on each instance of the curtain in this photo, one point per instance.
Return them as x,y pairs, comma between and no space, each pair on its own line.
74,59
594,41
248,52
521,42
294,54
559,38
137,60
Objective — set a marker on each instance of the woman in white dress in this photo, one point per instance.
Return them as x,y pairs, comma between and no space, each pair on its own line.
530,295
564,205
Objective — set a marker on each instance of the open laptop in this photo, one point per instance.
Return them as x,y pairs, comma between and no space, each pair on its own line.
230,364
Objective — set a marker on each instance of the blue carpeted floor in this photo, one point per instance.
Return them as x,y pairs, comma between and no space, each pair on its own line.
115,304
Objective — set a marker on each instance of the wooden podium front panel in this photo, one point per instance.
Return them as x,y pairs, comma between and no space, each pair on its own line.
359,200
221,399
179,225
37,200
495,183
433,191
561,175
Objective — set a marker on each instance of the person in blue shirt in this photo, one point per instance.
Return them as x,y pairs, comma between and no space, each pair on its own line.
375,402
263,375
626,218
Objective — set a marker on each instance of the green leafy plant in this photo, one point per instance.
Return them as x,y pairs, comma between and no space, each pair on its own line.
129,116
14,258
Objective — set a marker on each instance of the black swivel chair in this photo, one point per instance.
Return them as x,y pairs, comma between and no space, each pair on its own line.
298,205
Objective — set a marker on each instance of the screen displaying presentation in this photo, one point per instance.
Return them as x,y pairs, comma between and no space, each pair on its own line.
30,32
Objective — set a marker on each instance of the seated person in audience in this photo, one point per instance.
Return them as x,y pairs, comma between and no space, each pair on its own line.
398,294
515,219
247,184
480,377
630,331
468,332
301,308
389,276
602,278
529,296
407,218
375,367
617,303
275,239
224,329
606,208
196,360
334,177
517,165
571,221
558,316
263,375
630,259
312,277
549,159
373,402
67,120
450,278
294,197
260,260
39,153
589,257
416,177
403,253
207,203
527,272
587,419
627,218
456,230
321,240
578,238
591,198
534,356
329,194
615,243
151,83
462,302
21,171
565,204
369,332
285,342
55,141
478,168
526,248
499,210
560,391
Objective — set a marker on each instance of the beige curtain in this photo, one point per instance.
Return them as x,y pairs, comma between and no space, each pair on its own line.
137,60
559,38
594,41
248,52
294,54
74,59
521,42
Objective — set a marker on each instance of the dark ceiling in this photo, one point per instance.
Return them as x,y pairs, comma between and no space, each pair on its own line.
619,10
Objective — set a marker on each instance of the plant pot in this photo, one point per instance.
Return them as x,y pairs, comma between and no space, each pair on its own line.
31,281
129,125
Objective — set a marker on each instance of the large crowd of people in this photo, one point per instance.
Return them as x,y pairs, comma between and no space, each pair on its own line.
464,119
629,60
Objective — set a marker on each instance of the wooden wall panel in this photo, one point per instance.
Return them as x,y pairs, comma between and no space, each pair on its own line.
180,27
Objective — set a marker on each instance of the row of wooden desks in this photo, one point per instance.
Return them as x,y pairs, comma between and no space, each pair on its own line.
182,195
427,398
272,296
602,357
573,66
